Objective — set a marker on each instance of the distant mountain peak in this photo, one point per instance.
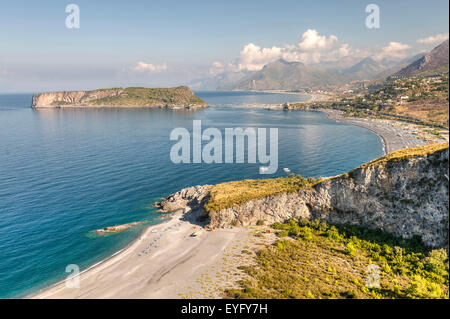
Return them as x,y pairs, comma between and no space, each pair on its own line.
436,58
283,61
285,75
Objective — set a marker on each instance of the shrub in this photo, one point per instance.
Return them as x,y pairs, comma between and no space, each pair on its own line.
437,262
307,233
333,233
350,249
283,233
422,288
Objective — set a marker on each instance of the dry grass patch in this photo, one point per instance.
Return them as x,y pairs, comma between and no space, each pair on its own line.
229,194
407,153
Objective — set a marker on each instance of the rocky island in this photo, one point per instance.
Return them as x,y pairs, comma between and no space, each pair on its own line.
172,98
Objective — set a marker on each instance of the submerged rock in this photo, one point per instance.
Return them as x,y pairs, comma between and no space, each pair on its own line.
116,228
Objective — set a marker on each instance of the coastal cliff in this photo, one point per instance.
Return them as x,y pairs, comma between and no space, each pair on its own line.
174,98
404,193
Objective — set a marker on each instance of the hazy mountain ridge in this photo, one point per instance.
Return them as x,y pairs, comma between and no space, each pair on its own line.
435,59
285,75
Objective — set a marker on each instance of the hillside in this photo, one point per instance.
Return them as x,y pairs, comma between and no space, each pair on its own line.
422,100
178,97
283,75
435,61
367,68
391,213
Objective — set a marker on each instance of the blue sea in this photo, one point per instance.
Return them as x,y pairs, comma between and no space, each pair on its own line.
66,172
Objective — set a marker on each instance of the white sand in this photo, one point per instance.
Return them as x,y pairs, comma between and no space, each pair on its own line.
157,265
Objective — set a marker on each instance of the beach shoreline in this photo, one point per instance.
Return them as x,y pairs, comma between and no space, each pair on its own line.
394,134
177,264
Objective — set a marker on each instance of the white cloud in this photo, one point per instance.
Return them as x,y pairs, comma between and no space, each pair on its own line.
312,48
395,50
435,39
149,67
312,41
216,68
253,57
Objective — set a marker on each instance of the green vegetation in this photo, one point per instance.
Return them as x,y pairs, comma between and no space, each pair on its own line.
439,70
229,194
420,100
139,96
319,260
59,103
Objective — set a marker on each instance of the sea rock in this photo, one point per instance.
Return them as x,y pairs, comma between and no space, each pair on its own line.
116,228
191,198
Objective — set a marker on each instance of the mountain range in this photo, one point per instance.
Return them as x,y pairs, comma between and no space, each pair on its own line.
284,75
434,61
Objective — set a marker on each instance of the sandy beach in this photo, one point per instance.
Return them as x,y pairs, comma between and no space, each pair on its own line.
394,134
167,262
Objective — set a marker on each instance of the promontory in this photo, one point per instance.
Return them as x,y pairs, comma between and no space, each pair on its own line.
180,97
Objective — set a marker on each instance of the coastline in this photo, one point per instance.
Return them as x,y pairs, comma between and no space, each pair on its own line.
61,282
337,117
394,134
165,261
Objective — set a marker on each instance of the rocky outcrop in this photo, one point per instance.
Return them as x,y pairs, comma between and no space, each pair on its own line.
116,228
405,197
174,98
191,200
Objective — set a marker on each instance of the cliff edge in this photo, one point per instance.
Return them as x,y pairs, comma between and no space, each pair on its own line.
405,193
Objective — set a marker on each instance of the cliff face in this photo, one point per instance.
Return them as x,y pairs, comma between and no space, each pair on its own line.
74,98
406,197
175,98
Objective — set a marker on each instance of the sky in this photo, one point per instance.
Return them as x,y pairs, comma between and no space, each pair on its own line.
168,43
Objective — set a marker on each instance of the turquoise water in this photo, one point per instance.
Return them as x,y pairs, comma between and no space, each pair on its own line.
64,173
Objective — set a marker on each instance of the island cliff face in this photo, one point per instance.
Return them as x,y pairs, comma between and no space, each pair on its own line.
406,197
174,98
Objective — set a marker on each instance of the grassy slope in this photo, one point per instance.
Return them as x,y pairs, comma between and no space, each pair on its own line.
138,96
317,260
229,194
407,153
